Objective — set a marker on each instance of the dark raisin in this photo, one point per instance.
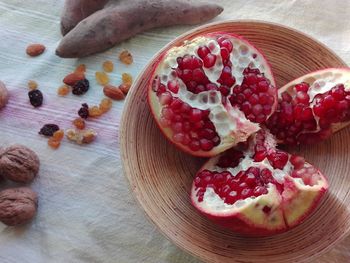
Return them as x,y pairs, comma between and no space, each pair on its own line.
35,97
84,111
49,129
81,87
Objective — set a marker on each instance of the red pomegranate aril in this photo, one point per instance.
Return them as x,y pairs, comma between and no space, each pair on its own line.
246,108
209,61
227,44
302,87
225,54
186,140
263,86
318,110
206,145
307,114
203,51
178,137
161,89
297,161
286,97
342,106
187,75
200,88
254,99
324,123
302,97
173,86
195,115
167,113
250,179
259,156
177,127
278,159
257,109
216,140
207,134
176,105
194,145
259,190
165,98
329,102
198,75
338,92
225,91
198,125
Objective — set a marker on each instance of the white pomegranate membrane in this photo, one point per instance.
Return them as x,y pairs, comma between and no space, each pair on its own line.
211,93
312,107
257,189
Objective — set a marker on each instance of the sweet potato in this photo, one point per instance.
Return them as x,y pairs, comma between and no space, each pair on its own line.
76,10
111,25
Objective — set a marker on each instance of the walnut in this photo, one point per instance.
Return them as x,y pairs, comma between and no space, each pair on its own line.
4,95
19,164
17,205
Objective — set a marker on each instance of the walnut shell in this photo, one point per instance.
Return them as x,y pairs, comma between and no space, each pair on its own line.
4,95
19,164
17,205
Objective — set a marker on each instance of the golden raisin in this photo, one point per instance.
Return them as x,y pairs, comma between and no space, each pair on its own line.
106,105
80,68
126,57
32,85
79,123
54,144
58,135
63,90
102,78
125,87
95,111
127,78
108,66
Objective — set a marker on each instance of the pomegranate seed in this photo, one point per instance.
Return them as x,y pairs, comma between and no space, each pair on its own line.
216,140
161,89
225,54
338,92
173,86
225,91
177,127
246,193
258,157
203,51
260,190
167,113
176,105
329,102
179,62
187,75
211,86
195,115
207,134
302,97
319,110
250,179
246,108
251,79
297,161
165,98
185,108
307,114
286,97
194,146
186,140
198,75
254,99
266,209
278,159
198,125
302,87
196,63
263,86
266,175
206,145
209,61
178,137
227,44
199,88
257,109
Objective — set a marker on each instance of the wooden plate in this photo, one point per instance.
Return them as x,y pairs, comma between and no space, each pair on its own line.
161,176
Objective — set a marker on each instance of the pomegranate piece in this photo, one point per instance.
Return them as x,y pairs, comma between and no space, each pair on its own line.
312,107
211,93
262,197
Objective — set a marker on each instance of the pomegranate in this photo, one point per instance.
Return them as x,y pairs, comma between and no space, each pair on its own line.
257,189
312,107
211,93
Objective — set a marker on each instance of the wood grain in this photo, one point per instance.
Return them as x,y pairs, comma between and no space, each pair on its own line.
161,176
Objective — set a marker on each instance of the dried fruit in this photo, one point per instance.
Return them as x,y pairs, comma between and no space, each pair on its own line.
105,105
81,137
17,205
81,87
4,95
102,78
18,163
36,98
58,135
113,92
126,57
127,78
34,50
79,123
84,111
32,85
108,66
125,88
53,143
204,104
63,90
81,68
94,111
312,107
49,129
256,189
72,78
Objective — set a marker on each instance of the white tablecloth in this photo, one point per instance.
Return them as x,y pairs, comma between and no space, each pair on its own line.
87,212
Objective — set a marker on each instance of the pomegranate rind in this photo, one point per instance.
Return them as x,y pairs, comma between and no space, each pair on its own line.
240,127
328,78
289,208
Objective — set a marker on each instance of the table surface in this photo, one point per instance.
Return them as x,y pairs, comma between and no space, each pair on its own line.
86,211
